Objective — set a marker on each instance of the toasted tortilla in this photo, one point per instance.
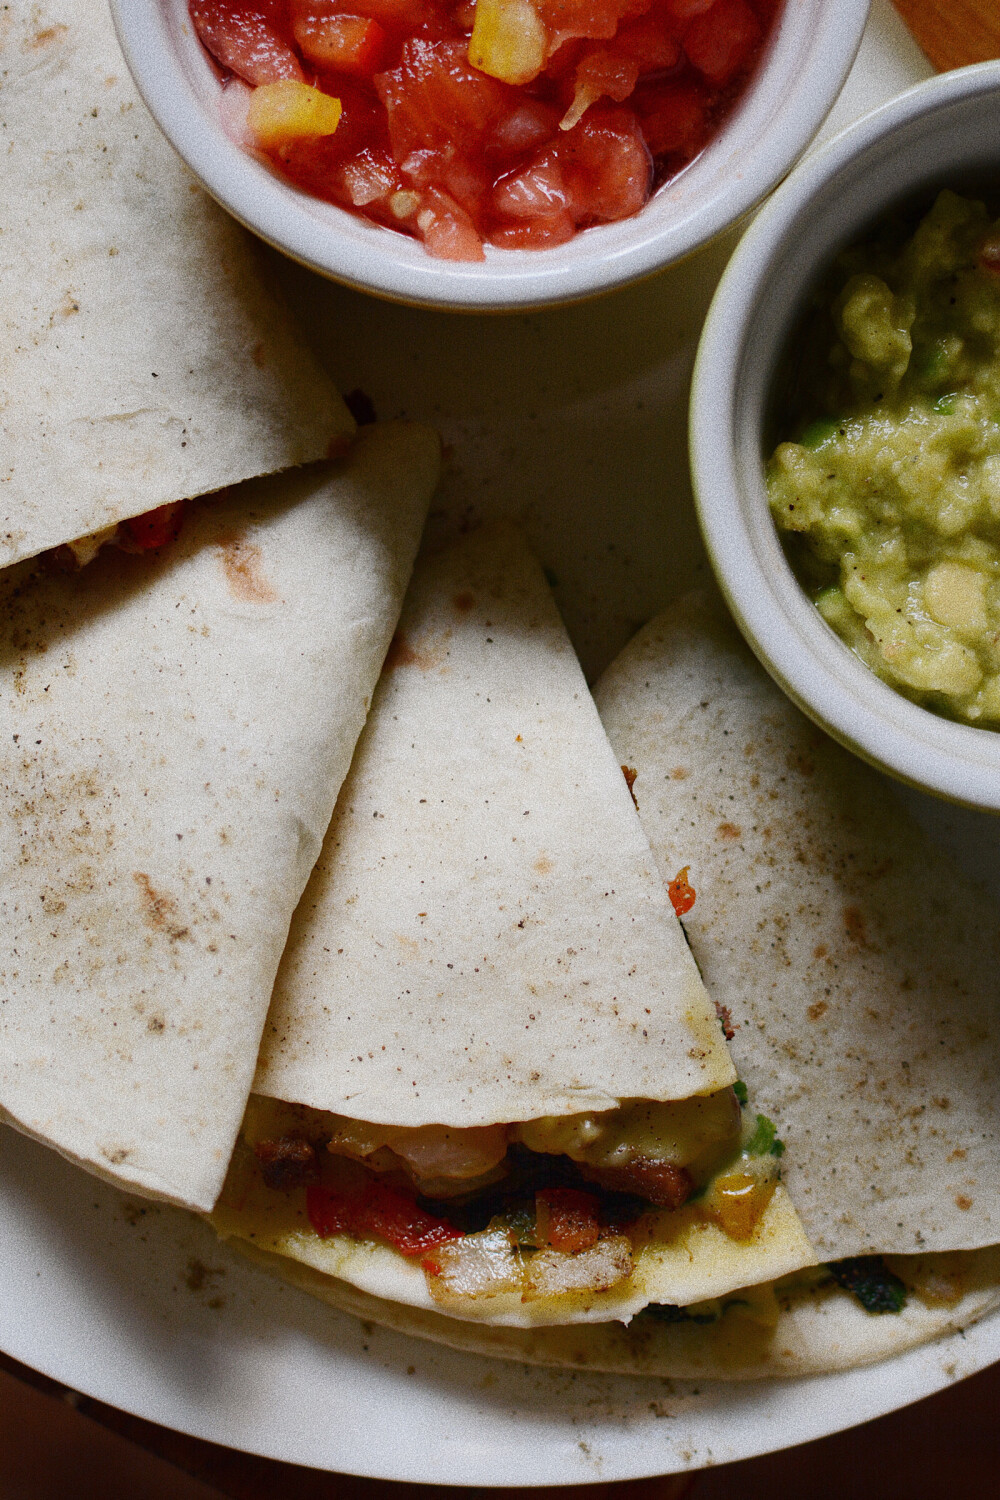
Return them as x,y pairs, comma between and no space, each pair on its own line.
860,968
174,732
144,357
818,1329
485,939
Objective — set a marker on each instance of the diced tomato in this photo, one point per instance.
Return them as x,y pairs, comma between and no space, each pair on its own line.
535,234
156,528
604,72
436,101
675,119
538,191
629,92
529,125
567,1219
446,229
245,38
649,42
376,1211
369,178
681,893
596,19
606,165
345,44
724,41
686,10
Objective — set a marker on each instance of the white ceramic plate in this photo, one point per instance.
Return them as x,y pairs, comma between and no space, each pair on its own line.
573,420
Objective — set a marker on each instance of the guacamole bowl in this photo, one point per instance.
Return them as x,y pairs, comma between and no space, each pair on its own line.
942,134
806,60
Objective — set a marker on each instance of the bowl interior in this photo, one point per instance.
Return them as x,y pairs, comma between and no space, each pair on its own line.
943,133
808,59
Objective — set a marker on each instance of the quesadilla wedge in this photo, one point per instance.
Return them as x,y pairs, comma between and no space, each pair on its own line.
144,356
173,733
861,969
491,1082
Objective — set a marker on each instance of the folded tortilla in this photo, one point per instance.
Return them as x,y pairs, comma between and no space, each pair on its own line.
758,1333
174,732
860,968
485,940
144,357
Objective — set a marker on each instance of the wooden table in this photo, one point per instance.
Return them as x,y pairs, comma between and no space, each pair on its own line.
57,1445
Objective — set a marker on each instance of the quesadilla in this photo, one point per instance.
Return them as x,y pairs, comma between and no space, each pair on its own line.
861,976
860,968
173,733
144,356
491,1081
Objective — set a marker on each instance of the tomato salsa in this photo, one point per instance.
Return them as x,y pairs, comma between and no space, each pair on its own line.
512,123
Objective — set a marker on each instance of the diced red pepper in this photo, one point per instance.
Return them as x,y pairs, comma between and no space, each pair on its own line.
156,528
246,39
567,1219
375,1210
681,893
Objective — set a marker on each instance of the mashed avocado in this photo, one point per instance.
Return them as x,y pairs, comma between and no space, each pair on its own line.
890,497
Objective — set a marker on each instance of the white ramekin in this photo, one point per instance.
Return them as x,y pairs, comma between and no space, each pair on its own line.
794,89
940,133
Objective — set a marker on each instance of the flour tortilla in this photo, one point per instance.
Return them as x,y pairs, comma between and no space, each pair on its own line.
862,971
818,1330
485,938
174,732
143,356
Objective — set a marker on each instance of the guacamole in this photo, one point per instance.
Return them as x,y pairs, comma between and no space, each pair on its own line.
889,496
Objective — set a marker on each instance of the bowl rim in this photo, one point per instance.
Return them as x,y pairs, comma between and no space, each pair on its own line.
816,669
279,213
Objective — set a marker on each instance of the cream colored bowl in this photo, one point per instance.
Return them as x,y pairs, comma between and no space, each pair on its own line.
794,89
943,132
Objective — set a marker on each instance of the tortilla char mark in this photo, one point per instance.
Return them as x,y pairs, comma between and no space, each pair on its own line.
242,567
159,911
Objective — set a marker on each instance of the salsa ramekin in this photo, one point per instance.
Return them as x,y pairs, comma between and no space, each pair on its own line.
945,132
784,106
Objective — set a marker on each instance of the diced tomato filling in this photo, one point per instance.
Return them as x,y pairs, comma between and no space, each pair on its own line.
156,528
567,1219
574,112
371,1209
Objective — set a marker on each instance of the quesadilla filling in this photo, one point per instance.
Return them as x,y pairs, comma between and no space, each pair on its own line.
145,533
539,1208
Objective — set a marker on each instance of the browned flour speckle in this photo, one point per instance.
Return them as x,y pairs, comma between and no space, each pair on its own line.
158,911
241,564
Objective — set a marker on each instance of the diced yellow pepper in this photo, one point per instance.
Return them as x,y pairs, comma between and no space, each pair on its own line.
508,40
291,111
737,1202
